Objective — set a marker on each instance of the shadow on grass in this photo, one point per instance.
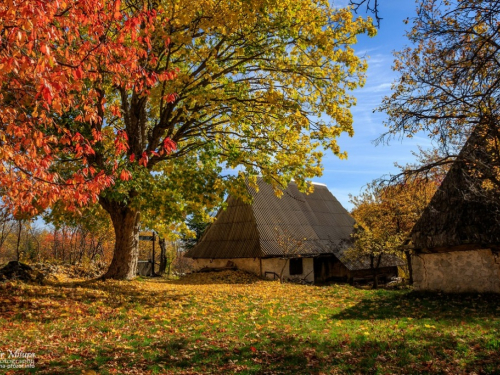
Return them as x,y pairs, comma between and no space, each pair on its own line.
233,277
412,354
41,304
24,303
393,305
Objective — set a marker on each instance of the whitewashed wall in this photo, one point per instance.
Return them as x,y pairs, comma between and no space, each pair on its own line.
276,264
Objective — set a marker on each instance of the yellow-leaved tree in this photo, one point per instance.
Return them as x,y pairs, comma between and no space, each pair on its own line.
385,216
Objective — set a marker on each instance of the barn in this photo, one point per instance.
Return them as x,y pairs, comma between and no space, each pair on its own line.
302,235
456,241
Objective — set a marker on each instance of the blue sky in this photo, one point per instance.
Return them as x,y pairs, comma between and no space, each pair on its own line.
367,161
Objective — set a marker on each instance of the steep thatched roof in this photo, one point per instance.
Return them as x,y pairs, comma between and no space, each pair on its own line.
311,224
462,214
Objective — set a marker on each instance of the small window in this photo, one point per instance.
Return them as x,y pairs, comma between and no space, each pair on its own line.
296,266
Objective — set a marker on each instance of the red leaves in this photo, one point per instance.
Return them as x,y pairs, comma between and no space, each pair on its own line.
51,65
78,73
121,142
46,94
169,145
125,175
170,98
253,349
77,137
144,159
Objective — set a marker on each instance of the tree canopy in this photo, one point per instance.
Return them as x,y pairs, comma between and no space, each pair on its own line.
449,84
385,216
159,100
56,59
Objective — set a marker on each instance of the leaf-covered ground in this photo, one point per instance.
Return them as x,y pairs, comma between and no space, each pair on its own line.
234,323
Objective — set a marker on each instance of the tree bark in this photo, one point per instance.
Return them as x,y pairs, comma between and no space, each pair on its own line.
410,266
375,269
283,271
163,256
18,255
126,223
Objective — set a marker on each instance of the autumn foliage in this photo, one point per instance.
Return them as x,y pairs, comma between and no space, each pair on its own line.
448,86
54,58
232,322
140,105
385,216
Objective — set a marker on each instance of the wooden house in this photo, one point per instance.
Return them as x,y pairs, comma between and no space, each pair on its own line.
456,241
302,234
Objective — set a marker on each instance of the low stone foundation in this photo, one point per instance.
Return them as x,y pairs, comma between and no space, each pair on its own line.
476,271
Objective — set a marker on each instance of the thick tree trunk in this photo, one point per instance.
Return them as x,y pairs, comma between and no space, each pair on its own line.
163,256
126,223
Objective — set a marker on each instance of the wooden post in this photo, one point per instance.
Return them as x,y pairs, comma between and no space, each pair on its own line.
153,260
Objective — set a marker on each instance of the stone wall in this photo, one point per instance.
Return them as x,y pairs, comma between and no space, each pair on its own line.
458,271
253,265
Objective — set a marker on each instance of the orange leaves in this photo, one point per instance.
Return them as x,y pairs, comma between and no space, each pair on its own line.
125,175
169,145
46,94
45,49
121,142
78,73
52,81
117,14
115,110
144,159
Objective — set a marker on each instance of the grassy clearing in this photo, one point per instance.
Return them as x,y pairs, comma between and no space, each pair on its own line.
225,323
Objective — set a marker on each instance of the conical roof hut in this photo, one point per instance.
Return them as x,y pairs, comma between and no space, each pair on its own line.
457,238
463,212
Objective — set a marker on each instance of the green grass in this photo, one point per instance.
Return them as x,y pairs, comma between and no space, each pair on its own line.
220,324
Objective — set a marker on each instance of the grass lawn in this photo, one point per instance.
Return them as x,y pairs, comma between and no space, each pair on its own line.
225,323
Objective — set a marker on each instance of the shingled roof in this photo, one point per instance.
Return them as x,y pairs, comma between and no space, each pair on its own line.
461,214
317,222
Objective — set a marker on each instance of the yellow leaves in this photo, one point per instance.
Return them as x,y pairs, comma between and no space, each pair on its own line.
249,70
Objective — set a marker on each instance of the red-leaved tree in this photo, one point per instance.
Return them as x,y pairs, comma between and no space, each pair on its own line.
59,61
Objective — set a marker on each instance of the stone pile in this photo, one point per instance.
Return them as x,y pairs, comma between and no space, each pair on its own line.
15,270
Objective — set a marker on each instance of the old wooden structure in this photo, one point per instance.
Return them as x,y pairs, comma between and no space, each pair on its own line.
303,235
457,239
146,266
